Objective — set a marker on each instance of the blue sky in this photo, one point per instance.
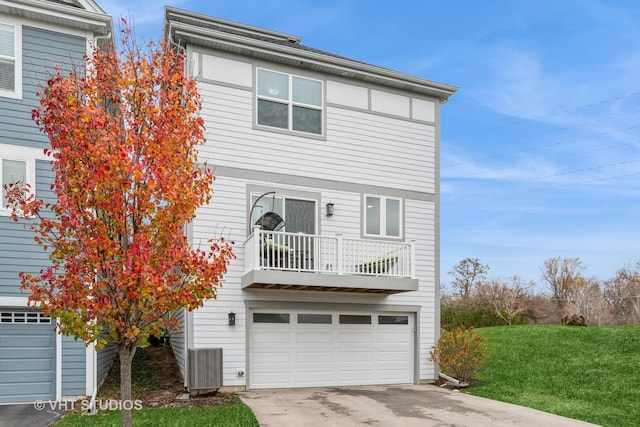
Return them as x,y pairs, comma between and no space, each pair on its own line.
540,146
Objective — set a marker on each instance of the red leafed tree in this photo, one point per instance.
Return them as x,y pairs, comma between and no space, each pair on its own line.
124,137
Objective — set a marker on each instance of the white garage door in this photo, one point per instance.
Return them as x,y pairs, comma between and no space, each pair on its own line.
310,349
27,356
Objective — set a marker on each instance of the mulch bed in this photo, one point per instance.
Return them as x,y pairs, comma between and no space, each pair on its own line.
162,364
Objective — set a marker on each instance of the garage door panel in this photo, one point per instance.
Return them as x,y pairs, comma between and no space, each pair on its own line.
355,376
360,356
393,356
394,338
356,337
314,356
25,365
273,337
337,352
392,374
19,339
313,375
314,337
22,392
274,379
274,358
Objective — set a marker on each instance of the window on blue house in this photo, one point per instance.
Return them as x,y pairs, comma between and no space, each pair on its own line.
10,71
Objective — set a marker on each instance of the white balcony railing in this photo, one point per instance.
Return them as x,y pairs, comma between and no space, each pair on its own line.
271,250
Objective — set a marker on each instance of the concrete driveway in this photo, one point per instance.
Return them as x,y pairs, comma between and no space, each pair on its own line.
398,405
26,414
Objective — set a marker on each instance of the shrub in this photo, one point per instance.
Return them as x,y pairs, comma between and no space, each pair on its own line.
455,314
460,353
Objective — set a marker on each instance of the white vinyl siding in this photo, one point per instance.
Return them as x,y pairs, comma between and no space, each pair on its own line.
360,147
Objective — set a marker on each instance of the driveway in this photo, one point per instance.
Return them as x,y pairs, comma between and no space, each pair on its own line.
398,405
26,414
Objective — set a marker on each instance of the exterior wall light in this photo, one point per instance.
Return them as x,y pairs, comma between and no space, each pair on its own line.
232,318
329,209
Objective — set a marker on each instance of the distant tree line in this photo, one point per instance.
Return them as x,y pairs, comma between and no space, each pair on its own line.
476,301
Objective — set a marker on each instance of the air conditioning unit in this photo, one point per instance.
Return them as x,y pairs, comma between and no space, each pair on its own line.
205,369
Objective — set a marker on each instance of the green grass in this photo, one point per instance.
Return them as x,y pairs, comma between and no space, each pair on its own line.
591,374
234,414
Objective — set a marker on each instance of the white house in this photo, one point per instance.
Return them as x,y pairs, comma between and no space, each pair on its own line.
328,182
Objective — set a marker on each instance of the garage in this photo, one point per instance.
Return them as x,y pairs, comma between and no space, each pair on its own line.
290,348
27,356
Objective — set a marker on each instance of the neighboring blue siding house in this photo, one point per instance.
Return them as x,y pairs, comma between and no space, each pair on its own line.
36,363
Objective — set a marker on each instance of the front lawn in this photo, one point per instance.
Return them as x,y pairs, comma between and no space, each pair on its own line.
591,374
233,414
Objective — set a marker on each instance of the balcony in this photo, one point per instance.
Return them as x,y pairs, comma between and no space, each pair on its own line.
281,260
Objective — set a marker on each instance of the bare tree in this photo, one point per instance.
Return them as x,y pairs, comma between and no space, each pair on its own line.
507,300
588,300
562,275
466,274
622,294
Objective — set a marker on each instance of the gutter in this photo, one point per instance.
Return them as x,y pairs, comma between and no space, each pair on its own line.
56,13
340,66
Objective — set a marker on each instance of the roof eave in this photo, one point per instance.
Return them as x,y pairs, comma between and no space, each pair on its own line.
190,34
98,23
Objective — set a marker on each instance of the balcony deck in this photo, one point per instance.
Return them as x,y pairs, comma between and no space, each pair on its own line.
280,260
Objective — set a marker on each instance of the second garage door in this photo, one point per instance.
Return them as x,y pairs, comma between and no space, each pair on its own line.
310,349
27,356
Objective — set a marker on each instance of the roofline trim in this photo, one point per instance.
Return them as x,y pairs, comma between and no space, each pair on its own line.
99,23
345,67
230,24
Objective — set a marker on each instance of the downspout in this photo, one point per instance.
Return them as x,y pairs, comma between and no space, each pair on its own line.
92,402
453,381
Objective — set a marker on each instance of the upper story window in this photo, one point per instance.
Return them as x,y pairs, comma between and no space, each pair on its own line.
10,69
383,216
289,102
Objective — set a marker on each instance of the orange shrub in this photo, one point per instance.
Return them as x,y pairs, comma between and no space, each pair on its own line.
460,353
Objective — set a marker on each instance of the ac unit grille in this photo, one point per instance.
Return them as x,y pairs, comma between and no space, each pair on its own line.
205,369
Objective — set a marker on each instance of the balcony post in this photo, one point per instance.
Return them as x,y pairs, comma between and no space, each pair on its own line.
412,259
339,253
256,247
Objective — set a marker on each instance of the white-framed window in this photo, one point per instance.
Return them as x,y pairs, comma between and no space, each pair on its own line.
14,170
10,60
289,102
382,216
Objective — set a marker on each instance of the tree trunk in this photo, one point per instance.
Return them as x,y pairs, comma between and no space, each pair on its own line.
126,352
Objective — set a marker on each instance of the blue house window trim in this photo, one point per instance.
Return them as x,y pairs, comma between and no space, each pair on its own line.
10,59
